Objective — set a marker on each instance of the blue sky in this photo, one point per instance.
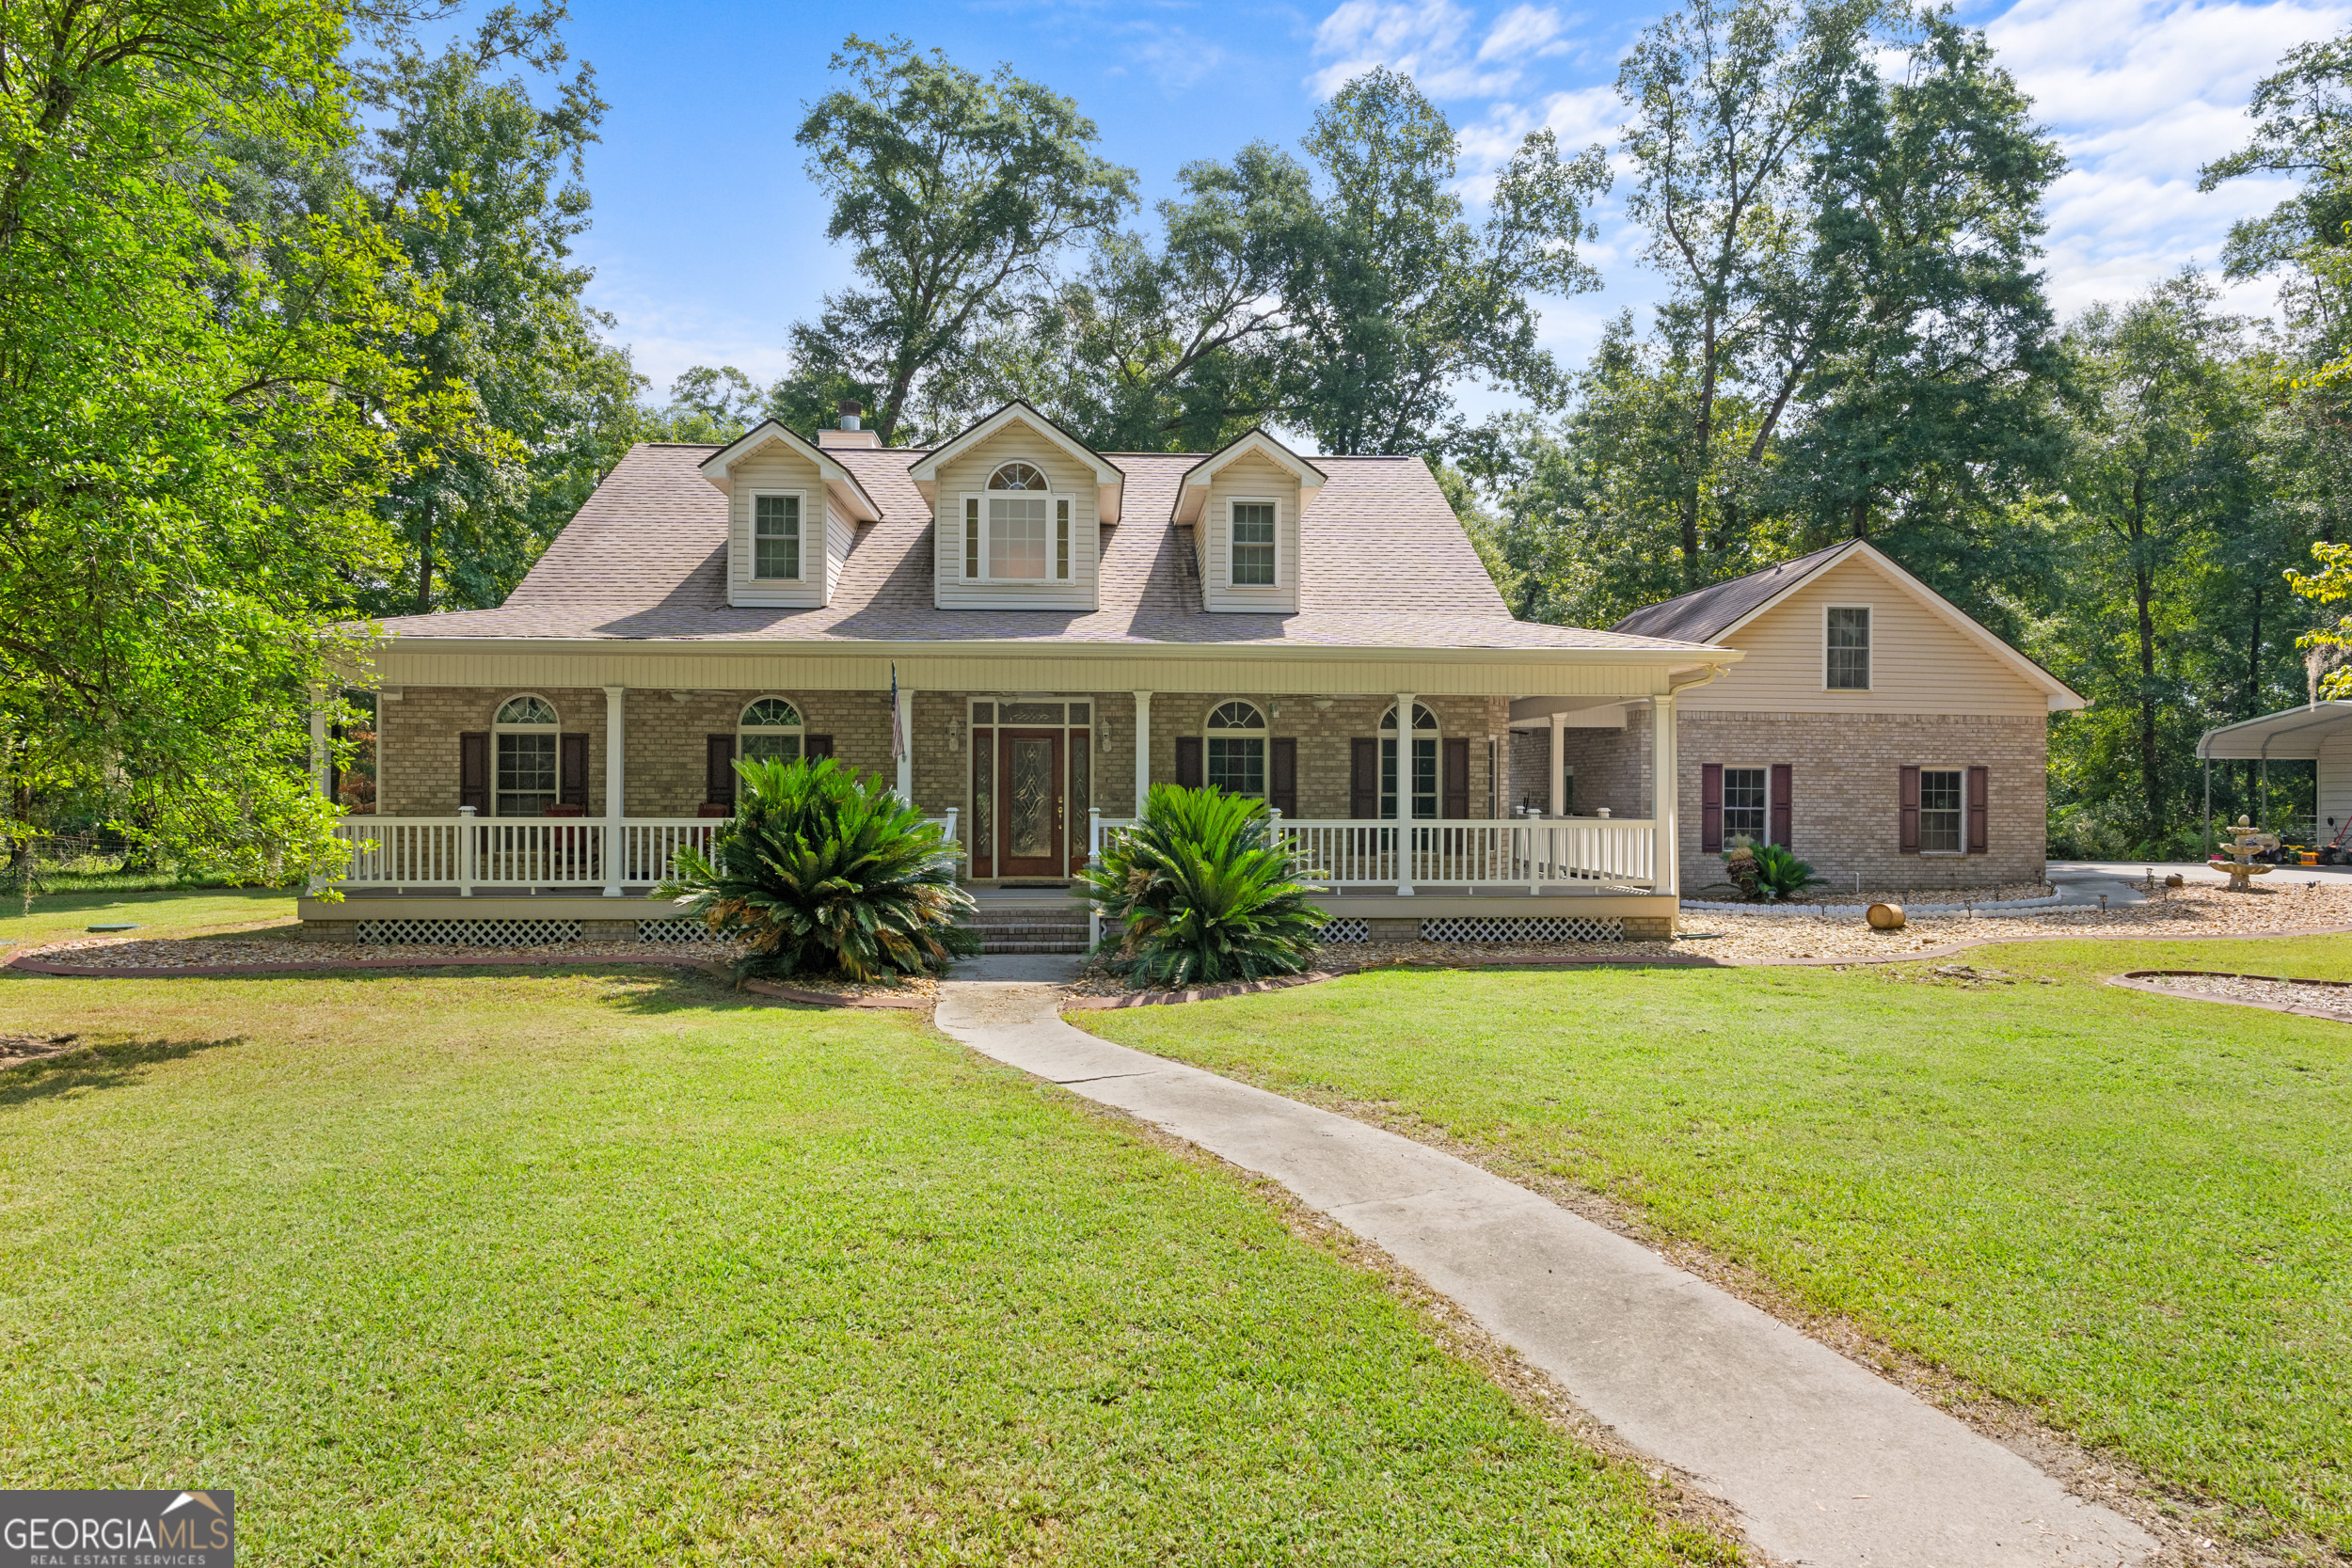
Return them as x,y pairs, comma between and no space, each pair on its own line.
709,238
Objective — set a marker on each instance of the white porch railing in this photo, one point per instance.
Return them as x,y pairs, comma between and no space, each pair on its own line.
1535,853
465,852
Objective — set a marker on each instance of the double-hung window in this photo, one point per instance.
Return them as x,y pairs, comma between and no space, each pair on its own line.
1253,543
1237,749
1942,831
1745,800
776,536
1017,532
1848,653
527,754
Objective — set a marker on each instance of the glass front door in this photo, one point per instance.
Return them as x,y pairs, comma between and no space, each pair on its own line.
1030,825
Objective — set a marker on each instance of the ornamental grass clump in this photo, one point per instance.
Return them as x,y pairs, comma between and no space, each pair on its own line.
1198,891
823,871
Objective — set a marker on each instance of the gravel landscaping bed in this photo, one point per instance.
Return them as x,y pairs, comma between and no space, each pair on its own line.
2304,996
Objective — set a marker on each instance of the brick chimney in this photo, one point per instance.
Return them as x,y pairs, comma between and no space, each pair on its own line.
849,434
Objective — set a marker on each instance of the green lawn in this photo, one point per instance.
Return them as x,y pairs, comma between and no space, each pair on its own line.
183,913
2132,1212
595,1267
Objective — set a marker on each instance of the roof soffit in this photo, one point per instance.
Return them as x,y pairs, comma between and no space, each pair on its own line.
1109,478
1193,493
842,484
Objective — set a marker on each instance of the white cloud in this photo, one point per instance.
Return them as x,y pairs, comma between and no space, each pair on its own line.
1428,41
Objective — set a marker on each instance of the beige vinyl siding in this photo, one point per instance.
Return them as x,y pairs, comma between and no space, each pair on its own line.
968,474
776,466
1919,661
841,538
1250,477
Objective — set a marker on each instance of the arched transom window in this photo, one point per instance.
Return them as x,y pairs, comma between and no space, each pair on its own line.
528,744
1236,745
1019,531
771,729
1425,763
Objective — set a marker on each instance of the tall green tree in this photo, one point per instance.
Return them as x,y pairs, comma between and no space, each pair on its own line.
1726,100
197,409
957,192
481,187
1397,298
2163,472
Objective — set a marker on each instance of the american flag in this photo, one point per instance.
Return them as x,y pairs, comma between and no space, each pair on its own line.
897,730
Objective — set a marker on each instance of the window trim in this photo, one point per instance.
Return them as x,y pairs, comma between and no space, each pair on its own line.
1231,503
799,537
1959,773
499,726
799,731
1869,648
1766,770
1058,506
1263,735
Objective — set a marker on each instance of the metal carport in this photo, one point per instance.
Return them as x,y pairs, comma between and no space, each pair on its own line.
2291,735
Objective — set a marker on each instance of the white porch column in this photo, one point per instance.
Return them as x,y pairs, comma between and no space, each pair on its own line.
1405,795
905,745
615,787
321,778
1559,765
1143,750
1664,795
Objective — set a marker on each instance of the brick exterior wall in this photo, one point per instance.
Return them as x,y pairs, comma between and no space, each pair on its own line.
416,742
1610,767
1843,791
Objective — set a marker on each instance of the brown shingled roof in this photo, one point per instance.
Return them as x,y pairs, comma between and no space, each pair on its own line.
1384,563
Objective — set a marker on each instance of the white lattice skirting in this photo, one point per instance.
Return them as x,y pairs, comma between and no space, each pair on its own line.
471,934
1344,930
1521,928
676,930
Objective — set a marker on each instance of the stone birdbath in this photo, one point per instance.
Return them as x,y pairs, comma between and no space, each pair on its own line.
2251,841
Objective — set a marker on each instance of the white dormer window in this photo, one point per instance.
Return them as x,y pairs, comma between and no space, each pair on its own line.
1020,530
1253,544
776,534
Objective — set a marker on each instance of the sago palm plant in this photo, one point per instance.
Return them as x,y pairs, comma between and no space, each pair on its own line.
824,871
1196,893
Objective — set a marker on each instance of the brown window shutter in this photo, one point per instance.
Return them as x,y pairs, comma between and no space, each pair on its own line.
473,771
719,770
1364,778
1281,775
574,777
1784,802
1188,768
1907,799
1711,807
1454,806
1979,791
817,746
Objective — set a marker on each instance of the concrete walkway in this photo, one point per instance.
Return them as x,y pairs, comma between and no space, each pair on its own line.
1826,1463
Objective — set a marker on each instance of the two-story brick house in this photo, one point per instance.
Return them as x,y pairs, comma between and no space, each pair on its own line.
1061,626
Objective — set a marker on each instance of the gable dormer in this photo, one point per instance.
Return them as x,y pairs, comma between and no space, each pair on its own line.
1243,503
792,515
1019,505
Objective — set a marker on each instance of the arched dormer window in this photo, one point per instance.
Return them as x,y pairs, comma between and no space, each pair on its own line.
1236,734
1424,764
771,729
1026,532
528,770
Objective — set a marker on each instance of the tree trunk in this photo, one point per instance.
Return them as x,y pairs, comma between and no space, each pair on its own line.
2250,704
424,562
1862,515
2143,594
